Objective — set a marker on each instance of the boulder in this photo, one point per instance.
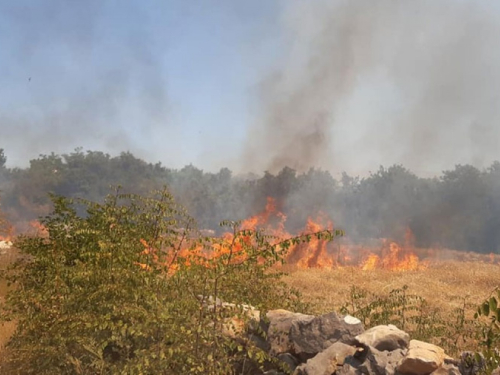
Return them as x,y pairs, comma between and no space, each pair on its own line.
447,369
421,359
368,360
384,337
311,336
385,362
326,362
278,333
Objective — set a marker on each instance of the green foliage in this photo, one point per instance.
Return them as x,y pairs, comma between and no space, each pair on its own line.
489,333
123,289
5,227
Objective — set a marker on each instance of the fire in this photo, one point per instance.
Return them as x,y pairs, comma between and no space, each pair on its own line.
395,258
314,253
272,220
38,228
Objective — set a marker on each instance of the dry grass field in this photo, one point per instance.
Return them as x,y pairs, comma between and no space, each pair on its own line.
444,284
452,290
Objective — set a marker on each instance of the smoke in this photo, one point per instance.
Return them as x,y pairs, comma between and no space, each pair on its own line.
78,77
366,83
354,84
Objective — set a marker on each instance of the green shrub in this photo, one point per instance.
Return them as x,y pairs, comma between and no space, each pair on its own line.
488,317
117,291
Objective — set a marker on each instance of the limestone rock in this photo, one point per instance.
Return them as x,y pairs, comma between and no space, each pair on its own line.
447,369
311,336
368,360
384,337
384,362
278,333
326,362
422,358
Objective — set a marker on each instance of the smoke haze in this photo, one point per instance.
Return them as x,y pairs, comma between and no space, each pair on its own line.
254,86
366,83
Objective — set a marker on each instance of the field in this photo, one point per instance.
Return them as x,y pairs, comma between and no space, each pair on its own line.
452,290
445,285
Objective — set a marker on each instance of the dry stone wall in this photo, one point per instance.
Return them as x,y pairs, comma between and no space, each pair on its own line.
339,344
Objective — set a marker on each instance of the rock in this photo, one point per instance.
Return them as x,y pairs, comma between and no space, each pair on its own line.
422,358
236,317
278,333
326,362
471,363
259,341
384,337
311,336
5,244
233,327
496,371
384,362
368,360
447,369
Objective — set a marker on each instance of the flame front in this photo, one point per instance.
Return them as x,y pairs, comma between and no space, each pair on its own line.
395,258
314,253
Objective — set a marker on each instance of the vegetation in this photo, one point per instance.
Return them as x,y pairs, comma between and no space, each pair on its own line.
125,283
125,287
458,210
490,332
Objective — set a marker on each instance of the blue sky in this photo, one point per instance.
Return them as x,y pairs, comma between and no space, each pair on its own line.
253,85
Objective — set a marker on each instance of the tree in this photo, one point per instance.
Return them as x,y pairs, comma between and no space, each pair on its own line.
3,159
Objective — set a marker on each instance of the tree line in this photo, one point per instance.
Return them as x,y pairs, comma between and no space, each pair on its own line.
460,209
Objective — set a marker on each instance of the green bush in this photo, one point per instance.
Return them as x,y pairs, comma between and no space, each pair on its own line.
117,291
488,314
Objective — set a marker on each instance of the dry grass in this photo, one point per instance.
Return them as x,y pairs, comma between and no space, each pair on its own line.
444,284
451,290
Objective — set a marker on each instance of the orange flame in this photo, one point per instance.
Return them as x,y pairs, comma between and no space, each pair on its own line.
395,258
315,253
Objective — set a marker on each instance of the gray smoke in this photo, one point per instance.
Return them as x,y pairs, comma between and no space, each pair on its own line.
366,83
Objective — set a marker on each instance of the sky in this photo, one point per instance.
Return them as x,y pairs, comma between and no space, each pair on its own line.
342,85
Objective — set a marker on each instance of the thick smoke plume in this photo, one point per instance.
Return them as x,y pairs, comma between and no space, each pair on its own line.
366,83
